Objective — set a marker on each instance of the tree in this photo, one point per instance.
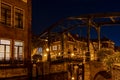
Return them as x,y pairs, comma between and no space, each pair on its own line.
103,53
112,59
37,42
36,58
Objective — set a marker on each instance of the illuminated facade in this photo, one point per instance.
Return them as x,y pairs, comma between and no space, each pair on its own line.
15,33
72,51
73,45
116,72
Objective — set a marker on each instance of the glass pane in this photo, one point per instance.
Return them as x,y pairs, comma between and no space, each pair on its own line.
6,14
25,1
5,42
7,56
18,18
54,47
40,49
20,57
20,53
18,43
7,48
20,50
1,48
1,55
15,52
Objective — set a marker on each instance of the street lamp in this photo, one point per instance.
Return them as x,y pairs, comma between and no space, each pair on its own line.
73,78
72,54
47,49
48,52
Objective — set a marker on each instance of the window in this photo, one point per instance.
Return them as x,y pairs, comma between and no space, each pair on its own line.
18,50
59,47
55,47
105,45
18,18
39,51
25,1
4,49
5,14
70,47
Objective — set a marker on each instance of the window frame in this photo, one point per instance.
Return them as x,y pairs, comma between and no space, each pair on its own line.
1,2
15,7
54,47
5,45
0,10
18,54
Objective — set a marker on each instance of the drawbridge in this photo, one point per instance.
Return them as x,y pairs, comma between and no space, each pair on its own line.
89,21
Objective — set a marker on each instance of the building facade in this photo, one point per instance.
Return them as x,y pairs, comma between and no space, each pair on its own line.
116,72
72,50
15,31
73,45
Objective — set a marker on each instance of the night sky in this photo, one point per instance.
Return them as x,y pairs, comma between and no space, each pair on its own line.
47,12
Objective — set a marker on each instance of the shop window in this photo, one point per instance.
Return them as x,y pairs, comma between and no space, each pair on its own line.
4,50
5,14
18,50
18,18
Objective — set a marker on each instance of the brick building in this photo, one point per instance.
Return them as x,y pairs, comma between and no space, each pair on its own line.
15,31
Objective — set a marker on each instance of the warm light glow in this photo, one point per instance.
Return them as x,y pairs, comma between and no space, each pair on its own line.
59,53
72,54
44,58
5,49
47,49
38,60
25,1
46,40
45,54
73,78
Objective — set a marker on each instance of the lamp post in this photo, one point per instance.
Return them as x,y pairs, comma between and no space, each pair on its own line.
48,52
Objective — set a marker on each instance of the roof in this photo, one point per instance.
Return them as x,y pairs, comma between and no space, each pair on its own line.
102,39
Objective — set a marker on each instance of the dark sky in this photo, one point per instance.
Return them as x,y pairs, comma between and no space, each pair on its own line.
47,12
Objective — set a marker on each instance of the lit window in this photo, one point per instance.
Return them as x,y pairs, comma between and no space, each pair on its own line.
59,47
70,47
39,51
18,50
6,14
4,49
25,1
55,47
18,18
